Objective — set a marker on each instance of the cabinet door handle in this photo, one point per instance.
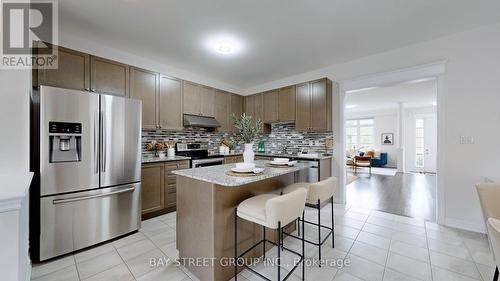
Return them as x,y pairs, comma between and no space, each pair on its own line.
178,165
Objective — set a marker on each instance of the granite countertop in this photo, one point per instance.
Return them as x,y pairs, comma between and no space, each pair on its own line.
294,156
217,174
163,159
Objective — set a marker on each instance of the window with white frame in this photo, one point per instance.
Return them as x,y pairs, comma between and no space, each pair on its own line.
359,134
419,143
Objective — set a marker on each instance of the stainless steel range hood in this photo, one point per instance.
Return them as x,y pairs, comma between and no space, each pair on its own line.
200,121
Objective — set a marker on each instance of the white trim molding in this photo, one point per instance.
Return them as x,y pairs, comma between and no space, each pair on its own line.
396,76
466,225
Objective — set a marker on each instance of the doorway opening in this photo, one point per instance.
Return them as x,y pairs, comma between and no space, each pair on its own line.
391,148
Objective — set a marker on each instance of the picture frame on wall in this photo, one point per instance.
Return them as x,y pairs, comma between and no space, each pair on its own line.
387,139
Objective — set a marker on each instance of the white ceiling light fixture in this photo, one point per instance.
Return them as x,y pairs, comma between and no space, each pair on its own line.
224,48
434,103
351,106
224,44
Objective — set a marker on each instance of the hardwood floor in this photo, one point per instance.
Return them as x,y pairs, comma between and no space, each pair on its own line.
412,195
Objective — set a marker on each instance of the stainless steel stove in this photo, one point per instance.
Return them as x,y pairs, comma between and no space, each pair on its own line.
199,154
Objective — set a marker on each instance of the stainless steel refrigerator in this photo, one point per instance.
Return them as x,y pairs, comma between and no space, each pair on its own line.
86,155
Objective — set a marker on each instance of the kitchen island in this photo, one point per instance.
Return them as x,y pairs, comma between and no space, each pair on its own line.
206,199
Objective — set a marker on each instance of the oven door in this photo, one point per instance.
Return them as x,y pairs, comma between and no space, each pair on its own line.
207,162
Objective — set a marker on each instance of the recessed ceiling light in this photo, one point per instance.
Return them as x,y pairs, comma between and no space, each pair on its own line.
224,44
351,106
224,48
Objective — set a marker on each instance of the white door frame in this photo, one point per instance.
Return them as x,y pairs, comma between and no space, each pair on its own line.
434,70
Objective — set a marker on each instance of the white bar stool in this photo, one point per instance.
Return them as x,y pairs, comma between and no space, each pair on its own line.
317,194
275,212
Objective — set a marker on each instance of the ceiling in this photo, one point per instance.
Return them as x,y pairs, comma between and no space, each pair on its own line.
279,38
411,94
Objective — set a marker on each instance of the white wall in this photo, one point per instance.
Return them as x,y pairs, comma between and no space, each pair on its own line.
14,122
385,121
469,106
14,160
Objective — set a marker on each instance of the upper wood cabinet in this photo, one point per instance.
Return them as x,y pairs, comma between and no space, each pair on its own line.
286,104
84,72
198,99
222,109
278,105
303,107
250,105
144,85
191,103
236,110
73,71
259,107
254,106
109,77
321,105
170,103
314,106
207,100
270,100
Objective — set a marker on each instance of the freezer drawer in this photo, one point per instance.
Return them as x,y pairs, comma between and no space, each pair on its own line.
75,221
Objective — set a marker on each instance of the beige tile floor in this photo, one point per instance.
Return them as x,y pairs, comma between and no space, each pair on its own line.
379,246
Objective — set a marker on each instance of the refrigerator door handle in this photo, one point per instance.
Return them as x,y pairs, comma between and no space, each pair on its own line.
73,199
96,142
104,140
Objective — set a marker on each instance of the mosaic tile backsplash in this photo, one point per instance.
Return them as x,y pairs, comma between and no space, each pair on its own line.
283,137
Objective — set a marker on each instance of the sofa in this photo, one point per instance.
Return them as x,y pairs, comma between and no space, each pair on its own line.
381,161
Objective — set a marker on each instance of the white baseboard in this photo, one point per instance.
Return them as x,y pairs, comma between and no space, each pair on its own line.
466,225
28,272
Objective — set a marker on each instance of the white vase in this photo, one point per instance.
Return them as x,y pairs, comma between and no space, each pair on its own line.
248,155
171,152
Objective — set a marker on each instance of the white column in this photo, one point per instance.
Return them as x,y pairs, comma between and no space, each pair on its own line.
400,139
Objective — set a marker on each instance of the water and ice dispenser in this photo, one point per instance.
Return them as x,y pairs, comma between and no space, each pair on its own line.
65,142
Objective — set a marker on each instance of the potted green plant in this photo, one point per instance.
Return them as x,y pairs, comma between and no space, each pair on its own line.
248,129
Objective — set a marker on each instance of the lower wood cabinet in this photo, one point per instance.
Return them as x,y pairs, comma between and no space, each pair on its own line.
233,159
262,157
152,191
171,182
159,187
